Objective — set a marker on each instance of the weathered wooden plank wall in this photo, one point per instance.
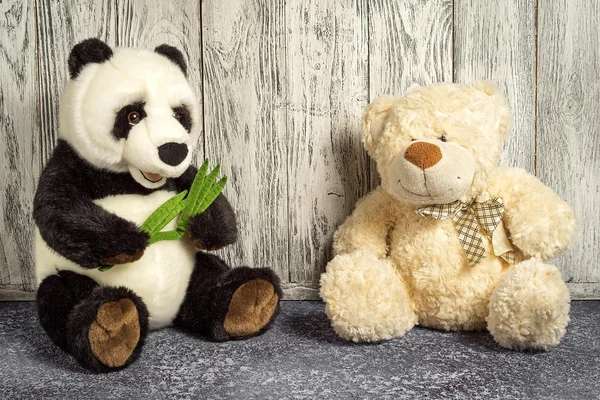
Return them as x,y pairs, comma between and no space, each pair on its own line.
244,76
19,152
283,85
327,89
568,124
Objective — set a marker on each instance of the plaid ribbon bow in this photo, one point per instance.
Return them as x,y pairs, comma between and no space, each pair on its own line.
482,212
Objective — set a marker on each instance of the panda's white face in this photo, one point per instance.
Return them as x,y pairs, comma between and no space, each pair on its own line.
133,113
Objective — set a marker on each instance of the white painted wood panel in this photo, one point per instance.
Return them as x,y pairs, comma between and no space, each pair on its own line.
568,139
410,42
283,85
245,102
327,46
19,144
496,40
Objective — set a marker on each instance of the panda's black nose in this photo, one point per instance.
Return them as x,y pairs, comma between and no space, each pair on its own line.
173,153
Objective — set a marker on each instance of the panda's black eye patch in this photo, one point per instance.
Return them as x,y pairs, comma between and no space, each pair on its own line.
126,118
182,114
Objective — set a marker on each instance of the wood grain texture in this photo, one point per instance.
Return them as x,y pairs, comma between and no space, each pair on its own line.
296,291
245,105
19,142
496,40
584,291
61,25
327,45
410,42
285,83
568,143
176,23
16,295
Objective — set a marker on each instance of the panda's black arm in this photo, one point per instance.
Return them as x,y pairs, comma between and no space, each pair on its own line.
217,226
78,229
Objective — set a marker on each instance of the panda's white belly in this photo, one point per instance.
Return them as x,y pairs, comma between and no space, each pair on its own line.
160,277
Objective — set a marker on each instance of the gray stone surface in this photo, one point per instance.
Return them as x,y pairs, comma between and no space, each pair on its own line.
302,358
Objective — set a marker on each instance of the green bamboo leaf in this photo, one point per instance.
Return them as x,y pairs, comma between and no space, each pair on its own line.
208,183
198,208
168,235
106,268
201,174
198,192
164,214
211,196
195,193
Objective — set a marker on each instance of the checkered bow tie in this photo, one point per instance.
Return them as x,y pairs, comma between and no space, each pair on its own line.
482,212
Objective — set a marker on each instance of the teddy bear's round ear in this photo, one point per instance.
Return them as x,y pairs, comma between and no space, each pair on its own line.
374,119
413,87
489,88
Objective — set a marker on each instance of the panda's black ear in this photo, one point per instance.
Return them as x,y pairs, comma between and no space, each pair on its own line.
173,54
89,51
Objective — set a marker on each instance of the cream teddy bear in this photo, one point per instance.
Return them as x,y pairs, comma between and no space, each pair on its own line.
449,240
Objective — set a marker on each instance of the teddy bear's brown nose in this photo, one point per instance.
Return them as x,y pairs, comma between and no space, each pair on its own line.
422,154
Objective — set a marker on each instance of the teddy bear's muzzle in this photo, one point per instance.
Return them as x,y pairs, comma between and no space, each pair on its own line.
427,172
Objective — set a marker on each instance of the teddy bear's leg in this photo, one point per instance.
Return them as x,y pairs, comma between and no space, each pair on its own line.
103,328
229,303
530,307
365,298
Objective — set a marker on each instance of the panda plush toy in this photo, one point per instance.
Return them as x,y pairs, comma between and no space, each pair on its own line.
128,125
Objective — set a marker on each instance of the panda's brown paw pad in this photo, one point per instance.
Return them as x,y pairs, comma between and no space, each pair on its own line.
251,308
115,333
123,258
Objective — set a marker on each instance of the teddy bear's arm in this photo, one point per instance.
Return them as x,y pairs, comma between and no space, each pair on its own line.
368,226
216,227
539,223
76,228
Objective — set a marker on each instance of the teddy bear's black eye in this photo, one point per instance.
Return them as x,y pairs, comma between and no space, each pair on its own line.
443,138
413,139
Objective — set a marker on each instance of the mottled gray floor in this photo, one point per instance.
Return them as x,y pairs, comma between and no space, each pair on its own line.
302,358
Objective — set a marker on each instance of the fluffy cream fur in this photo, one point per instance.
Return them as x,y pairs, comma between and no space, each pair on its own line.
530,307
393,267
384,314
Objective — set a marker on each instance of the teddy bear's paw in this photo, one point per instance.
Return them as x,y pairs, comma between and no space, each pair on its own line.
114,335
530,307
251,308
365,298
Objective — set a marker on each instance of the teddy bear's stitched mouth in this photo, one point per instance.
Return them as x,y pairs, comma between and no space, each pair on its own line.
413,193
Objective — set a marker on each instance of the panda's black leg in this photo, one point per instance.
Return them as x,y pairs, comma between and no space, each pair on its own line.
102,327
56,297
229,303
